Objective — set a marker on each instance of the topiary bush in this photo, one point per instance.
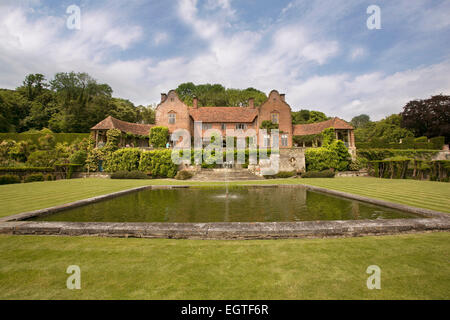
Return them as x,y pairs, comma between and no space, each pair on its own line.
318,159
34,177
9,179
183,175
319,174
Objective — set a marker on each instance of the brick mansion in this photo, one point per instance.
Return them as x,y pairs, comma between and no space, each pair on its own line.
174,114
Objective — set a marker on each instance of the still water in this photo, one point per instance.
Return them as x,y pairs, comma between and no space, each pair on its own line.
240,204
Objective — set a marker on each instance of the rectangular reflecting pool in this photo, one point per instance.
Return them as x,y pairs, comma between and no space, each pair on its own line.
215,204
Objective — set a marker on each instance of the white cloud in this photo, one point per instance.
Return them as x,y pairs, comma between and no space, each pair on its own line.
357,53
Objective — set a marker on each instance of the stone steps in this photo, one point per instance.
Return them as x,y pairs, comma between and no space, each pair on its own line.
225,175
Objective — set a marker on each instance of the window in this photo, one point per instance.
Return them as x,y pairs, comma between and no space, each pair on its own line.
241,126
224,126
266,141
284,140
274,118
207,126
172,118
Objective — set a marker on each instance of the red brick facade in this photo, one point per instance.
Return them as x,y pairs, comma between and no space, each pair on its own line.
171,112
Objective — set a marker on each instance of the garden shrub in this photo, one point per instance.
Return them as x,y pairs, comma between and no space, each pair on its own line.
282,175
49,177
183,175
41,158
9,179
159,163
318,159
319,174
343,157
78,157
328,136
123,160
129,175
34,177
159,137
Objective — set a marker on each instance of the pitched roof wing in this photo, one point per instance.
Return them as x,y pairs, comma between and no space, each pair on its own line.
318,127
223,114
127,127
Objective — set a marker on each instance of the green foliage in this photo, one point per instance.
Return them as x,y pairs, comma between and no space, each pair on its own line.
78,157
381,154
360,121
306,116
382,132
26,169
217,95
318,159
183,175
129,175
319,174
285,174
328,136
332,155
41,158
34,137
159,136
112,140
9,179
269,125
158,163
124,160
342,154
437,142
34,177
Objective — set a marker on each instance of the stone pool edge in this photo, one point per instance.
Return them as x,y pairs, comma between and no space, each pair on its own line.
436,221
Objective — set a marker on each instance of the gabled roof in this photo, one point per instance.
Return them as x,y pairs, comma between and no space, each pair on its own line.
127,127
318,127
223,114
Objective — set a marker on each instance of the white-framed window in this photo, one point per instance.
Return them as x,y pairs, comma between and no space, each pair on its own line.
266,141
274,117
207,126
172,118
284,140
241,126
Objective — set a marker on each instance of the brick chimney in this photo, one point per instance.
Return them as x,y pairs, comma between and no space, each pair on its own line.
195,103
283,96
163,97
251,103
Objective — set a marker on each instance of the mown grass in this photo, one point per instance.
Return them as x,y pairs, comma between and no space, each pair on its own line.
412,267
38,195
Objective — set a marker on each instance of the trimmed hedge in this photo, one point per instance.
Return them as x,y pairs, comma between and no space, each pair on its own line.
402,168
34,177
26,169
34,137
158,163
423,143
9,179
319,174
381,154
124,160
129,175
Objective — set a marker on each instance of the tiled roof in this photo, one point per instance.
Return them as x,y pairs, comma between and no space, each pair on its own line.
318,127
223,114
127,127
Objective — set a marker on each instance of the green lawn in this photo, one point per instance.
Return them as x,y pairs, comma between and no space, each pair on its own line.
38,195
412,267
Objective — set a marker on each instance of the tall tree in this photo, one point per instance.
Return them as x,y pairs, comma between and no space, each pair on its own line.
429,117
360,121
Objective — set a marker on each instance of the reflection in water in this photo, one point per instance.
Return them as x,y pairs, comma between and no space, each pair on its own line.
246,204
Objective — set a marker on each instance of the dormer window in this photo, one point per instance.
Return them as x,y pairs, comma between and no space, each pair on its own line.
172,117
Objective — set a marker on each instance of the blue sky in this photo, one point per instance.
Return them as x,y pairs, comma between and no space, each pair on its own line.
320,53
